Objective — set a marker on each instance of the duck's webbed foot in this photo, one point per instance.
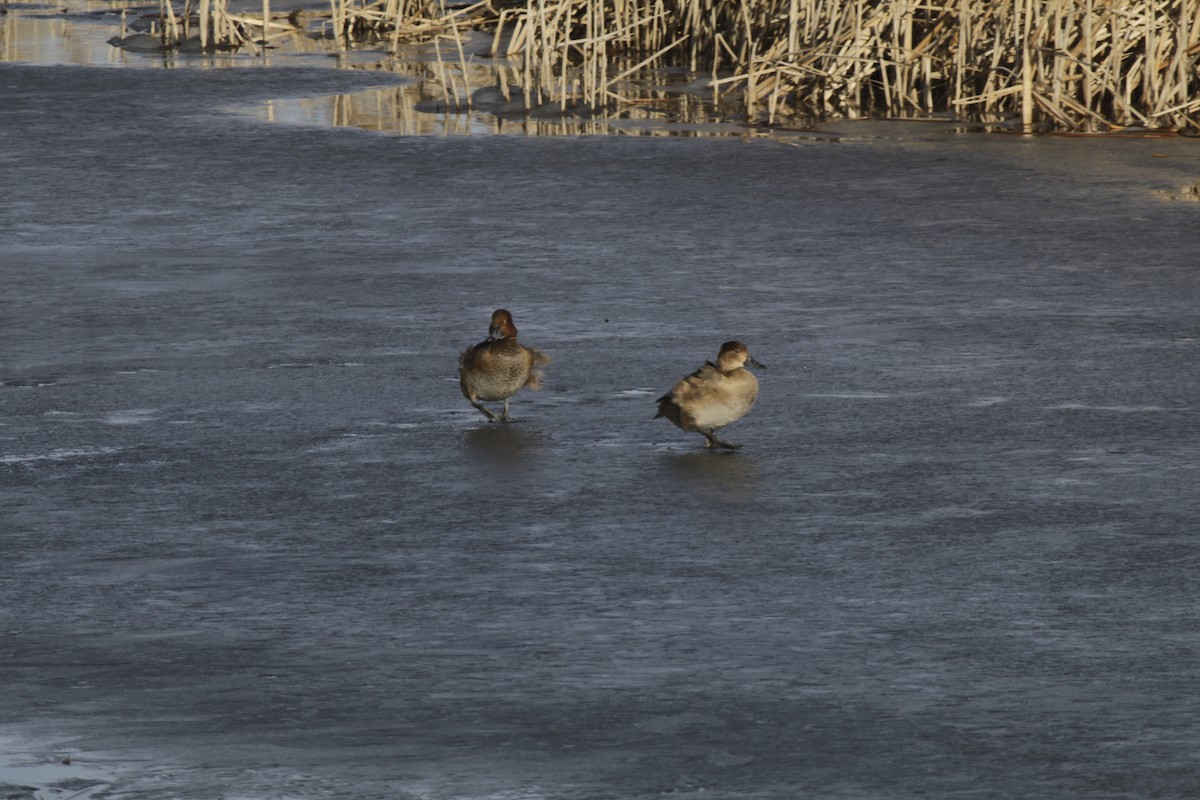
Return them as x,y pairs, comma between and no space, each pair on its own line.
712,440
487,412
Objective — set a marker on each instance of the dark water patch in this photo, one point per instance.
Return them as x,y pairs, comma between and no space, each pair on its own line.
26,383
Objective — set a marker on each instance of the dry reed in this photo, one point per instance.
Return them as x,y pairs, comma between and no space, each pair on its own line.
1086,65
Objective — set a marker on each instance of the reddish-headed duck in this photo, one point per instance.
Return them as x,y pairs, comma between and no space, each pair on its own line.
496,368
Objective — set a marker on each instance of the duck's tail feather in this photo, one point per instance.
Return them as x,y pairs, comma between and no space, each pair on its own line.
667,408
536,375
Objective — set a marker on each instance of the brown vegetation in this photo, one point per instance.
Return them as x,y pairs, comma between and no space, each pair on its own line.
1045,64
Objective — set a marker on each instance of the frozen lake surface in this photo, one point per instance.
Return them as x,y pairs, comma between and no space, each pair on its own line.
256,545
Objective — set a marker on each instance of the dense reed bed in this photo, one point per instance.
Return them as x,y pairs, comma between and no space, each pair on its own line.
1042,64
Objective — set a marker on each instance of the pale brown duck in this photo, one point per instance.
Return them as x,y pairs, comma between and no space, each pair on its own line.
714,395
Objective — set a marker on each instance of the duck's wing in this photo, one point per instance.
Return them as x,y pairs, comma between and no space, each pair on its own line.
687,389
537,360
699,382
475,355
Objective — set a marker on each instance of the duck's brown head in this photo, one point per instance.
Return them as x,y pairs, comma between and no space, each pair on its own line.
734,355
502,325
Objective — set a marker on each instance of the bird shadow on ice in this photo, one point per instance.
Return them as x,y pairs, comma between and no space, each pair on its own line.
504,445
725,475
